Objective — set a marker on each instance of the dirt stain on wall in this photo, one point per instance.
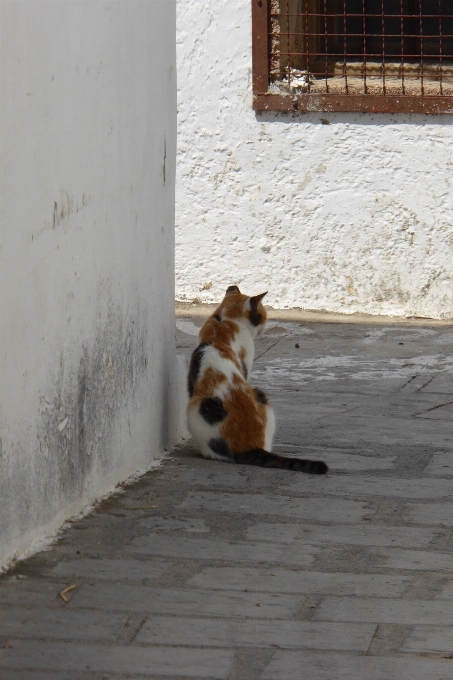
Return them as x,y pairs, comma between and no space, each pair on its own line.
79,413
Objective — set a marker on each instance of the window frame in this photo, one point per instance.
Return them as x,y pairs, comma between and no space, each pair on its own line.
263,100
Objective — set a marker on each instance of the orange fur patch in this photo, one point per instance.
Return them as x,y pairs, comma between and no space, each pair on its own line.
245,424
221,335
205,386
232,307
216,332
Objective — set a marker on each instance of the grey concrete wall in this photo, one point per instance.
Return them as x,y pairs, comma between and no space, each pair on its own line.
89,388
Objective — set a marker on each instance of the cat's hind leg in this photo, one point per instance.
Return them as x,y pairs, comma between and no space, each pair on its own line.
269,429
203,421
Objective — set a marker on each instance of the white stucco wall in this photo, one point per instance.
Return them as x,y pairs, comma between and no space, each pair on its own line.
88,370
342,212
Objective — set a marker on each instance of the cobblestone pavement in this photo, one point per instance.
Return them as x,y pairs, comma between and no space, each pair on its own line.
208,570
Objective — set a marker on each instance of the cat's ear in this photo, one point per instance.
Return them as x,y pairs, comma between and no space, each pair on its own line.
255,317
232,289
256,299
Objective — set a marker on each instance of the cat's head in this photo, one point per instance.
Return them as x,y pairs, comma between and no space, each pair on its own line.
244,308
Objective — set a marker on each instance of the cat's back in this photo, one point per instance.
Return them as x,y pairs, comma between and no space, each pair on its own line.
213,362
225,352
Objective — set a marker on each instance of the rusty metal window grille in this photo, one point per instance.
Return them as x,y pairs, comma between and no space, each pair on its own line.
353,55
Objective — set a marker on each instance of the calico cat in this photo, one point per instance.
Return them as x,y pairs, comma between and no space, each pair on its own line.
228,419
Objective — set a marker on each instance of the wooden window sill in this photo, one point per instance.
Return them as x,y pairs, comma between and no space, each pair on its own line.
365,103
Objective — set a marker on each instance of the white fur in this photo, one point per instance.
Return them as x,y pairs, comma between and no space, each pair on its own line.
244,339
270,428
212,359
202,433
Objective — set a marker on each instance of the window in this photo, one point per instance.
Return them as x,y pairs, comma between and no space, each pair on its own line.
353,55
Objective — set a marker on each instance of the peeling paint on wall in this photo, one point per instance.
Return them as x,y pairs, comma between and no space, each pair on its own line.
351,216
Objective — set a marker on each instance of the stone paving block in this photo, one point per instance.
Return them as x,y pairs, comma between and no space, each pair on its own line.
237,477
256,633
432,639
29,593
192,526
306,412
387,639
308,406
347,429
184,602
232,476
441,464
40,675
447,592
62,624
441,412
385,610
250,662
349,485
110,570
431,513
342,389
308,509
307,582
416,559
337,460
286,665
152,676
350,534
414,386
206,549
187,662
441,384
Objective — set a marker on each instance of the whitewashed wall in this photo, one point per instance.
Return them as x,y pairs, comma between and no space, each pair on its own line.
342,212
89,384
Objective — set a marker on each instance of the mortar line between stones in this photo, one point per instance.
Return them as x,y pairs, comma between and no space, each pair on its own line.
372,638
425,384
433,408
407,383
138,629
267,350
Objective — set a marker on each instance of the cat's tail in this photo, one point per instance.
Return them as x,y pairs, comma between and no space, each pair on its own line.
263,458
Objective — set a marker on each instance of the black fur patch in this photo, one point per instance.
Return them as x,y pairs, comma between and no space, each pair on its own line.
255,317
211,409
217,317
263,458
232,289
220,447
194,368
313,467
260,397
244,369
257,457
